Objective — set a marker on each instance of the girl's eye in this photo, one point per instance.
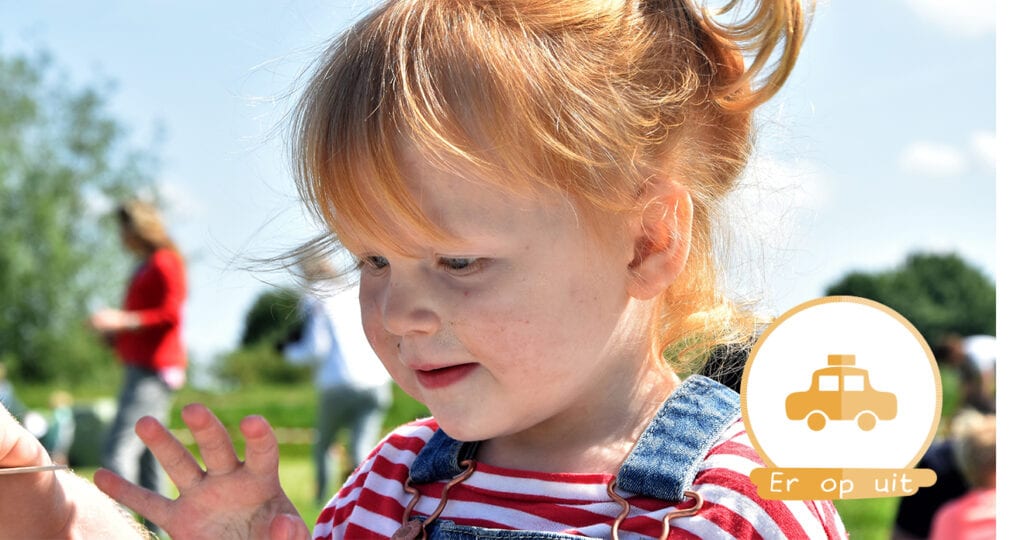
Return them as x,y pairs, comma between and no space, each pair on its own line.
373,262
460,266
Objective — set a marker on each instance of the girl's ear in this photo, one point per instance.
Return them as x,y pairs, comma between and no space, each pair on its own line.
661,238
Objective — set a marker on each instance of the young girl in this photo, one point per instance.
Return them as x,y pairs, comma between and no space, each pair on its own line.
528,187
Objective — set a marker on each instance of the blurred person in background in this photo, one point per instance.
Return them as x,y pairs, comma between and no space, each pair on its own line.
974,392
915,512
971,516
981,349
354,387
968,372
146,334
8,398
61,432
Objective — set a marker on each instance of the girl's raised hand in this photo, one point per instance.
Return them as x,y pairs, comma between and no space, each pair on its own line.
230,499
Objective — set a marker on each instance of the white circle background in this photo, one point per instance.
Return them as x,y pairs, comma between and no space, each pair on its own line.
896,361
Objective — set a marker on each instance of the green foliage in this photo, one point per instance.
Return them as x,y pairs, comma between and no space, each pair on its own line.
273,317
61,155
938,293
404,409
283,405
259,363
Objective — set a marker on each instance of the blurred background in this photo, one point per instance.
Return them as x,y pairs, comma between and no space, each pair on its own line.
874,175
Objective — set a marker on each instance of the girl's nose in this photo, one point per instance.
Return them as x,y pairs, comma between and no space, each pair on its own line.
405,308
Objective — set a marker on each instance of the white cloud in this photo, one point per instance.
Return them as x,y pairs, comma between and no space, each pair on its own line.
933,159
178,202
959,17
983,146
97,204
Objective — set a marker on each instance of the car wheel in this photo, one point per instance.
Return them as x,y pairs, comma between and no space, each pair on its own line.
866,420
816,421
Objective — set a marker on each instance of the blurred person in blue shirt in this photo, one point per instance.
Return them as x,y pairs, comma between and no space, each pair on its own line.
353,386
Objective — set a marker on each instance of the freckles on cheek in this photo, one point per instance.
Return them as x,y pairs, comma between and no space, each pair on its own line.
380,340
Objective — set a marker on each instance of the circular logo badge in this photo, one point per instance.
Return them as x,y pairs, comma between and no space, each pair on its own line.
844,383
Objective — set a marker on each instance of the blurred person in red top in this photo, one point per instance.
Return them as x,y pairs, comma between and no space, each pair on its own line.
147,335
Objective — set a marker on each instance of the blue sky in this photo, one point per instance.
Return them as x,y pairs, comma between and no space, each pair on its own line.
882,143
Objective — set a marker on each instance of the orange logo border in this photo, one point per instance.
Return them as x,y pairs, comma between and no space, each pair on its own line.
830,300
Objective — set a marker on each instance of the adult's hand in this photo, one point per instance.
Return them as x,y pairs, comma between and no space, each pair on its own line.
230,499
50,504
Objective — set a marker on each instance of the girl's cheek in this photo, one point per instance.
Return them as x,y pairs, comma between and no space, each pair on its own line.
373,327
379,339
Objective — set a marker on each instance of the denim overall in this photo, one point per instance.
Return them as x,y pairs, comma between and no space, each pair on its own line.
662,464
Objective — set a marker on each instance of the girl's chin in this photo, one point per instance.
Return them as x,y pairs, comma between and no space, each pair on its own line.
462,427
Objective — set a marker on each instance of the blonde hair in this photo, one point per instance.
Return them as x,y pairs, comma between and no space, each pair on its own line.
142,220
974,446
586,97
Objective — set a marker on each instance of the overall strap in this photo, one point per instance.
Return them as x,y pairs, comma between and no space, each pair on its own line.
662,464
439,459
668,455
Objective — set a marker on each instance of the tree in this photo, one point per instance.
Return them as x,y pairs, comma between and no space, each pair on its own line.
939,294
273,318
61,156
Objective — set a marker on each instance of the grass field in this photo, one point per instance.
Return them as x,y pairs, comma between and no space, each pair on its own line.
290,410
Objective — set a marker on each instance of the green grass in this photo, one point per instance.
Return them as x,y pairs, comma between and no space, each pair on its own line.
868,519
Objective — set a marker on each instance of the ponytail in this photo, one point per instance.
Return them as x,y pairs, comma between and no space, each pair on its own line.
769,24
757,33
709,146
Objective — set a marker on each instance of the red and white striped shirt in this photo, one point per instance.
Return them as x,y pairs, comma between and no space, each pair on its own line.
371,503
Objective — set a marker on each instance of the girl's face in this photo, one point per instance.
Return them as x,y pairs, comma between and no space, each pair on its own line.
524,321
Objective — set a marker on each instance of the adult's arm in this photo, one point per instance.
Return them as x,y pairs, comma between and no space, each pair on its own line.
169,286
52,504
316,339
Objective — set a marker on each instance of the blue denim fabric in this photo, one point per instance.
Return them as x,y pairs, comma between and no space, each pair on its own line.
662,464
143,393
666,458
439,459
446,530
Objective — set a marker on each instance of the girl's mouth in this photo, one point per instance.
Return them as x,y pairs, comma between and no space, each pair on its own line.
446,376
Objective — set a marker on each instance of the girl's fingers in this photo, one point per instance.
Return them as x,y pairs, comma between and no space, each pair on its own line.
153,506
261,452
181,467
212,438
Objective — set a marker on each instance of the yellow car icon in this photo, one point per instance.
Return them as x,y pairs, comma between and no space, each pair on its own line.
841,392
